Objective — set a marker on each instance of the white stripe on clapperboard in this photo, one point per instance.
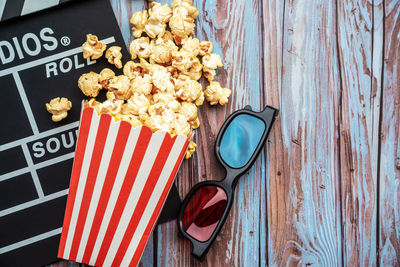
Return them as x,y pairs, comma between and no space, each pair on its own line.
35,5
37,135
2,5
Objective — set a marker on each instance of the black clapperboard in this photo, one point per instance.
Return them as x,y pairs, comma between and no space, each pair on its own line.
41,58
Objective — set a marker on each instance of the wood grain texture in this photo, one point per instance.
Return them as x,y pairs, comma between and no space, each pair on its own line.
359,129
234,27
389,204
304,208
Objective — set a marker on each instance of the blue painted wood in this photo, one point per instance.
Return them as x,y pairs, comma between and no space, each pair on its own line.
389,201
304,217
359,128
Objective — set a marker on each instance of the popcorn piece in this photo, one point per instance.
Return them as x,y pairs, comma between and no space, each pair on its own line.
159,15
194,72
114,55
183,60
169,100
142,85
162,51
120,86
133,69
191,149
140,47
138,105
195,123
161,79
210,63
206,47
93,47
160,118
89,83
180,126
216,94
139,19
182,20
167,36
190,9
105,76
189,110
192,45
189,90
59,108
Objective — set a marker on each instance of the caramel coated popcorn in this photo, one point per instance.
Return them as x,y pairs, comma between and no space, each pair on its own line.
160,87
93,47
216,94
114,55
89,83
59,108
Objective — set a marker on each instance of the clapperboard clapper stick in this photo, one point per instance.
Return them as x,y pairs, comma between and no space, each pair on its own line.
41,58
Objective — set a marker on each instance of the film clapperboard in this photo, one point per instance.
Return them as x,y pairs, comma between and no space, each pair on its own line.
41,58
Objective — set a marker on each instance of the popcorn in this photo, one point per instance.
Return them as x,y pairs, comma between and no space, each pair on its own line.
89,83
191,149
183,60
133,69
114,55
120,86
216,94
138,105
139,19
140,48
59,108
105,76
159,15
206,47
189,90
189,110
192,45
161,79
210,63
161,52
93,47
162,90
141,85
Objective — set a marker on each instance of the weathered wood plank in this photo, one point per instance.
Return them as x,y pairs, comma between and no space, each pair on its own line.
304,198
273,21
235,29
389,175
359,126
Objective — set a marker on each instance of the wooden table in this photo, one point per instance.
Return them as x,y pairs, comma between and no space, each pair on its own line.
326,189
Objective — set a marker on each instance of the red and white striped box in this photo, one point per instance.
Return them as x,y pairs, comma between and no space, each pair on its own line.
120,180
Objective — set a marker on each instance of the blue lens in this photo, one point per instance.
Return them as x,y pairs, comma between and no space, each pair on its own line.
241,139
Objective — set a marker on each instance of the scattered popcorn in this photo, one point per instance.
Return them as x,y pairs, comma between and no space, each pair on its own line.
114,55
161,89
206,47
216,94
59,108
210,63
93,47
192,45
189,90
142,85
190,150
89,83
139,19
105,76
133,69
140,47
120,86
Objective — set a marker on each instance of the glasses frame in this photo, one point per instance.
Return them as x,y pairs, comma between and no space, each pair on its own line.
232,175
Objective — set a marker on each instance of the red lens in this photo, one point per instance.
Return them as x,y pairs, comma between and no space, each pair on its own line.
204,211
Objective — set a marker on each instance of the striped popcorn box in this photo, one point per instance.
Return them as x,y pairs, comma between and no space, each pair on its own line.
120,180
